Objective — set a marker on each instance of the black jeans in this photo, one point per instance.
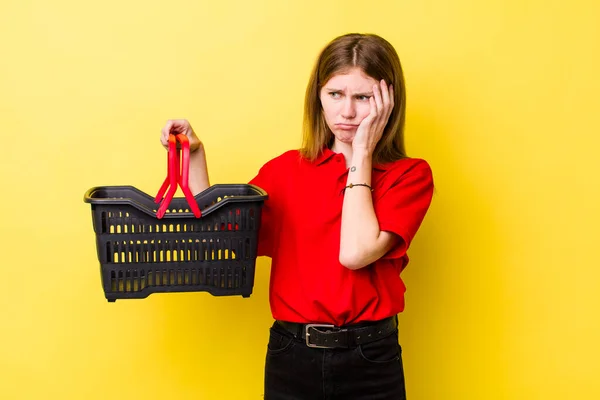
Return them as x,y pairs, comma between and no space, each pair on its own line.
371,371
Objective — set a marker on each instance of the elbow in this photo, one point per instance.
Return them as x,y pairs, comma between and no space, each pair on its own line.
352,259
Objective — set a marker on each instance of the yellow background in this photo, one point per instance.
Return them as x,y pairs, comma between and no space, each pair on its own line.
503,284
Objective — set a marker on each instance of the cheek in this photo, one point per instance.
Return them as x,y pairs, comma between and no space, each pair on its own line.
363,110
329,111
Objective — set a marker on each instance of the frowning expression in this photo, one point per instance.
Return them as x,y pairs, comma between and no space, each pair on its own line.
345,102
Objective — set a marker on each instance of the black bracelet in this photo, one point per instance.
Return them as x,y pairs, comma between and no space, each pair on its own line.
350,186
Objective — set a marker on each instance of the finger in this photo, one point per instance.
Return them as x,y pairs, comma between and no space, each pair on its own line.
390,104
388,100
378,100
179,124
368,120
385,95
373,104
386,109
176,126
381,111
166,130
182,126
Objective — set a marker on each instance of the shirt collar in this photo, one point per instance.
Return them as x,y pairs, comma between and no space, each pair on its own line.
326,154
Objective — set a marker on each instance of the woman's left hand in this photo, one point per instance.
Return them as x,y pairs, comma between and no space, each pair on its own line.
371,128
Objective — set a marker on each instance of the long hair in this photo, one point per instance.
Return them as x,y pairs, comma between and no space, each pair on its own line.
378,59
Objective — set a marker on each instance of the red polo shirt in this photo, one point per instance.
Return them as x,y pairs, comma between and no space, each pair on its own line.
300,231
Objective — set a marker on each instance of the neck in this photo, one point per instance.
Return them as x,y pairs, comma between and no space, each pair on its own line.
343,148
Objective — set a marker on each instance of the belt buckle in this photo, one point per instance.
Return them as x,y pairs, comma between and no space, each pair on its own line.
307,328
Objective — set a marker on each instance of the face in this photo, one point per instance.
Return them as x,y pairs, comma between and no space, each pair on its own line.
345,101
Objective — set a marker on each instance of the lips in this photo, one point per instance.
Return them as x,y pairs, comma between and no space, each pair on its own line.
346,127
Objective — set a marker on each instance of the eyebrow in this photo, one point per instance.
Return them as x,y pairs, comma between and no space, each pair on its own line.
368,94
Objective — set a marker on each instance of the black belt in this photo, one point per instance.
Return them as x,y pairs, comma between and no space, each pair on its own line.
330,336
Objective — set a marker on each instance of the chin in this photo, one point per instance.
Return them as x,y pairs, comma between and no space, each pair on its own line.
345,137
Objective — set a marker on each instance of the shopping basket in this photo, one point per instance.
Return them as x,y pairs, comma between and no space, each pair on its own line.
206,242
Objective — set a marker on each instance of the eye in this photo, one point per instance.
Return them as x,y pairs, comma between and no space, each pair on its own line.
335,95
362,98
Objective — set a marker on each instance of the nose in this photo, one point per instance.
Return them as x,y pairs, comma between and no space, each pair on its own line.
348,109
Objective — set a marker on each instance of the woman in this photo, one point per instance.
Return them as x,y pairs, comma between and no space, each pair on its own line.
340,216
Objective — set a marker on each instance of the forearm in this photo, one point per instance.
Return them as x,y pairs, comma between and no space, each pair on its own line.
198,178
360,234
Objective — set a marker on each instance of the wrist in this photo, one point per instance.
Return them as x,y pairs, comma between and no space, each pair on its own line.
198,157
197,149
361,155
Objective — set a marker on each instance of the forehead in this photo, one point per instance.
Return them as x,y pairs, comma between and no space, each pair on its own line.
353,79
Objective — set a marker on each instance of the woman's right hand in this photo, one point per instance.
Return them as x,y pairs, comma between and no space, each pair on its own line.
177,126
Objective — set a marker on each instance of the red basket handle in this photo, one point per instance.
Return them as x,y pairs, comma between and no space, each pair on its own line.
184,178
167,182
174,177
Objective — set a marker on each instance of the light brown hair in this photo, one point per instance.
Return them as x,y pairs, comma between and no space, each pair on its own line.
377,58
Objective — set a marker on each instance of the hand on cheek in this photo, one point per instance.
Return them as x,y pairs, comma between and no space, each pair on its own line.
371,128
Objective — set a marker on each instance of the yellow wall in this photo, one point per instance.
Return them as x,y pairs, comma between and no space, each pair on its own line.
502,298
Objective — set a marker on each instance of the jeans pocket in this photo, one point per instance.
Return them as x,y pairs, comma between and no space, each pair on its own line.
381,351
279,343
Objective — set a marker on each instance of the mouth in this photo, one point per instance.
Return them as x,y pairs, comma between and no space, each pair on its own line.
346,127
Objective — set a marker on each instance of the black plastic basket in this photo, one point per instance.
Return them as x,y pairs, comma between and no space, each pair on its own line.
141,254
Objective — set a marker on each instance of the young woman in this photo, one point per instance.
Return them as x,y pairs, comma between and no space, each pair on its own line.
340,217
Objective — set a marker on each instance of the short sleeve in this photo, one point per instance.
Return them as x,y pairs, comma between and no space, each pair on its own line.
265,179
402,207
